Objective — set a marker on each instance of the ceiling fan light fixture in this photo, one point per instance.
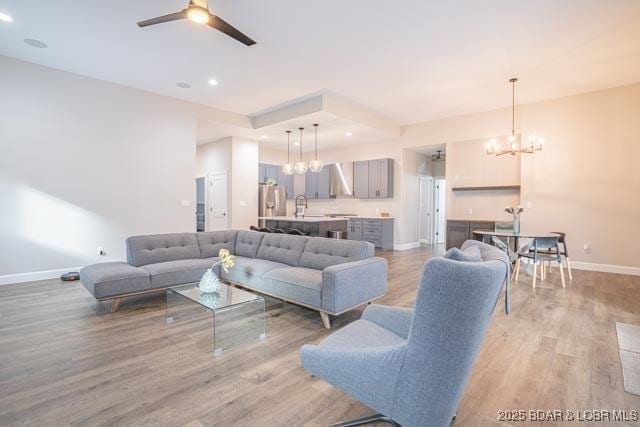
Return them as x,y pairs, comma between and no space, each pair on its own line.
197,14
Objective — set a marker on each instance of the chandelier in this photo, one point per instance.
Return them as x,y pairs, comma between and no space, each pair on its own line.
513,144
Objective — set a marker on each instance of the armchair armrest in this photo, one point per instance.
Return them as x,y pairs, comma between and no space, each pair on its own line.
347,285
395,319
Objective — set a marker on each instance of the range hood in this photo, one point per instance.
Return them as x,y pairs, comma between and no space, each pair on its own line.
340,179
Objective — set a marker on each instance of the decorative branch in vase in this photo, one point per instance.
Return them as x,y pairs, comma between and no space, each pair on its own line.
515,211
210,281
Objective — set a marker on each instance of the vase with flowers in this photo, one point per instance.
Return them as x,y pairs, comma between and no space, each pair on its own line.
210,281
515,211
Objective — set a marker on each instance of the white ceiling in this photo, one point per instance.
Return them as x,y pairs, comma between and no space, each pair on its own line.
411,60
331,132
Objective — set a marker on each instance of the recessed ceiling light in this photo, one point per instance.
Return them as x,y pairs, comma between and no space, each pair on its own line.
348,134
5,18
264,136
213,82
182,85
35,43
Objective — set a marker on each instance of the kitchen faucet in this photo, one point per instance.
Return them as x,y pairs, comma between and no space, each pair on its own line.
300,207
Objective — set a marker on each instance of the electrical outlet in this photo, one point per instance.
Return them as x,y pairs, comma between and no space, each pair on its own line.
101,251
186,203
529,205
243,204
470,211
586,249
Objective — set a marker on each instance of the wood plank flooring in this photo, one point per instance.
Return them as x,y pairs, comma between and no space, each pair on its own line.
65,360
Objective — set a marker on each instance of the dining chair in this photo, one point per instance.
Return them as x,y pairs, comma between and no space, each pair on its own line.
563,251
543,249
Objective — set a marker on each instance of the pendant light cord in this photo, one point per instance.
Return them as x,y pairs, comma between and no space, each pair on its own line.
288,147
315,125
301,129
513,105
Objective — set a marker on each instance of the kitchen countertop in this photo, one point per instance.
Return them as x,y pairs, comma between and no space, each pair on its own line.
318,218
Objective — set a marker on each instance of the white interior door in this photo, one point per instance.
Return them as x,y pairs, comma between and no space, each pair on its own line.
218,201
440,200
426,209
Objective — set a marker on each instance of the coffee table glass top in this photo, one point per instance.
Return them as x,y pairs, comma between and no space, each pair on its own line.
225,296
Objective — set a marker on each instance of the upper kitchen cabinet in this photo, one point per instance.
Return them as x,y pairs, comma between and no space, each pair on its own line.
373,179
267,171
361,180
318,184
285,181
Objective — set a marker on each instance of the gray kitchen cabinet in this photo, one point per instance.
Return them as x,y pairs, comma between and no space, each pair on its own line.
324,183
286,182
310,185
385,178
262,173
354,229
272,172
317,184
381,178
361,179
378,231
373,179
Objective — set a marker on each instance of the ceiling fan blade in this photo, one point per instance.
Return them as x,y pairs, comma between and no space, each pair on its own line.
160,19
223,26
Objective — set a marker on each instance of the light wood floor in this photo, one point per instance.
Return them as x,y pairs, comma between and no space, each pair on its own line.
64,360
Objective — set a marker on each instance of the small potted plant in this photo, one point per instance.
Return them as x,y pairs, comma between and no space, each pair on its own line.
210,281
515,211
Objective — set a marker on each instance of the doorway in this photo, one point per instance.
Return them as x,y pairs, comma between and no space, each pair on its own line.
432,216
200,204
218,218
440,201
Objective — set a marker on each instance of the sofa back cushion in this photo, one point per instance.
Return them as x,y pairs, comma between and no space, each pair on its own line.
211,242
154,248
283,248
247,243
320,253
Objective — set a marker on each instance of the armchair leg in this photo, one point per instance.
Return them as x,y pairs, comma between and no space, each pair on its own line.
367,420
325,320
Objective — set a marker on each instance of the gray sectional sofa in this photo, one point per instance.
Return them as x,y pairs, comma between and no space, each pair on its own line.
330,276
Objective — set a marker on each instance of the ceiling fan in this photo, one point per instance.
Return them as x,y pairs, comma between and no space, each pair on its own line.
198,12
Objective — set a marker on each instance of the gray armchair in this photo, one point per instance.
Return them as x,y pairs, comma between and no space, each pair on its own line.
412,365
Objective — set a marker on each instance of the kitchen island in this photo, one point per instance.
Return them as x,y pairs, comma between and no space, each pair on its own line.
317,226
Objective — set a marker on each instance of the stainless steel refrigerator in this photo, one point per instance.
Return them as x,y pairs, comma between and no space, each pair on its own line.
272,201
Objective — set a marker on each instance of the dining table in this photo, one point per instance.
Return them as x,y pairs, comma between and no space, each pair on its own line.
510,235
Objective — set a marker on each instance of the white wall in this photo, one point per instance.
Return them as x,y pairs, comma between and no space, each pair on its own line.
239,157
85,163
244,184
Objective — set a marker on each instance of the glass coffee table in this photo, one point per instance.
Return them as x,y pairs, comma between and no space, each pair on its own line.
236,316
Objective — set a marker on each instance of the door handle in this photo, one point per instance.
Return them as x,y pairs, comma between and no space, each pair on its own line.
223,214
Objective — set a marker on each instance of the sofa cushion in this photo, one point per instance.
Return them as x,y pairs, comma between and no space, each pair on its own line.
303,285
249,271
247,243
152,249
320,253
282,248
211,242
470,254
108,279
171,273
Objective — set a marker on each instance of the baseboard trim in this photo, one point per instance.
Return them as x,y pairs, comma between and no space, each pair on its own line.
9,279
406,246
605,268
